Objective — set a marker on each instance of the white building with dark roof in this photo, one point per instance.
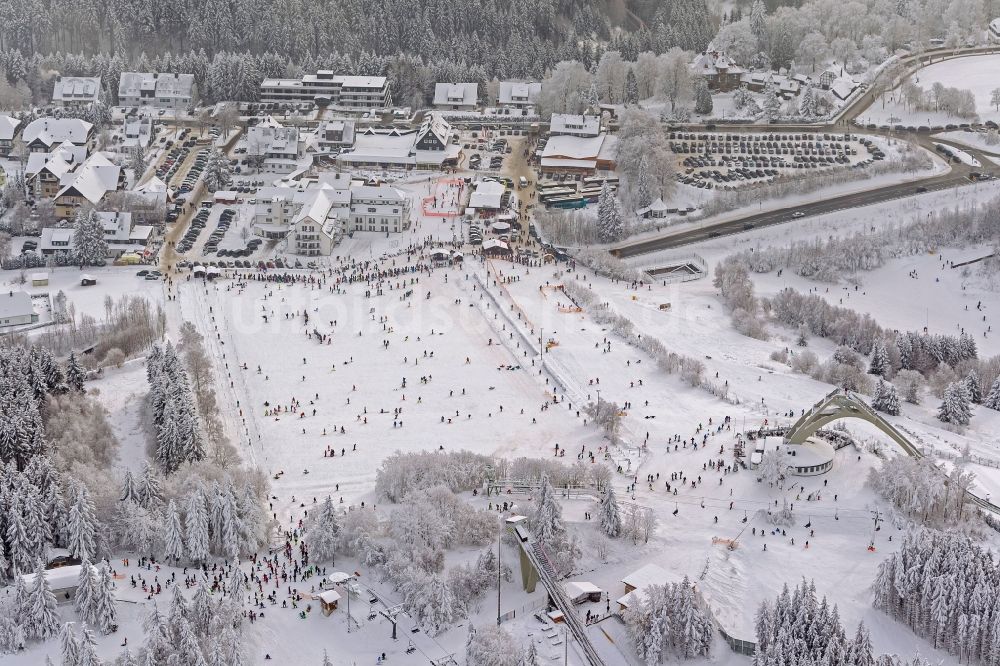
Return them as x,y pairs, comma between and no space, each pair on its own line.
456,96
335,135
432,146
161,91
73,91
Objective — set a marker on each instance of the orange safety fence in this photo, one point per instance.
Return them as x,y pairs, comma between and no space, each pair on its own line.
426,203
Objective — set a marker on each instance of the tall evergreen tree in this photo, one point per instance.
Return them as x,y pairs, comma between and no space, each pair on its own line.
955,406
89,245
611,520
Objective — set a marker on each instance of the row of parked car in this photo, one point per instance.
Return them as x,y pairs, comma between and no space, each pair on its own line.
221,227
191,235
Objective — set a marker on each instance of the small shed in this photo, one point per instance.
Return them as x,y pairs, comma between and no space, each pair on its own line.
87,280
328,601
226,197
198,270
212,272
39,279
582,591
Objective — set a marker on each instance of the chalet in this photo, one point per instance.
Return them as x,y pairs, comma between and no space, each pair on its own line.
44,134
719,70
9,128
160,91
456,96
16,309
638,580
76,91
826,78
43,172
87,184
518,94
432,146
570,124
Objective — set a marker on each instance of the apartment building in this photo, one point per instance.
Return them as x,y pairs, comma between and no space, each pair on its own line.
74,91
353,93
160,91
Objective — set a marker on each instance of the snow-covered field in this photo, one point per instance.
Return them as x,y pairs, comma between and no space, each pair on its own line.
975,73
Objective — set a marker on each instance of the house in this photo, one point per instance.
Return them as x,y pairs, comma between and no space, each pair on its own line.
43,134
277,146
571,124
456,96
518,94
76,91
43,172
826,78
719,70
354,93
9,127
843,88
160,91
87,185
638,580
578,154
16,309
334,135
120,233
138,131
379,208
315,227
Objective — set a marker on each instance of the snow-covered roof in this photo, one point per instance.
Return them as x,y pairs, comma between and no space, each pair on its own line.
656,207
92,180
273,141
60,578
338,577
329,596
52,131
488,194
513,93
59,162
163,86
573,147
650,574
8,127
843,87
495,243
15,304
713,63
575,124
995,26
578,588
456,94
76,89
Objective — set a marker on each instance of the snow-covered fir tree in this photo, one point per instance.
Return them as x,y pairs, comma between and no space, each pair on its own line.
74,373
492,646
89,245
771,105
41,614
104,603
972,387
218,174
667,621
611,520
702,97
879,364
323,531
992,399
610,225
955,406
82,524
196,530
643,188
86,592
886,399
631,94
807,103
173,537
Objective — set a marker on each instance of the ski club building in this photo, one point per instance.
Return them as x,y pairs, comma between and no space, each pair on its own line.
579,155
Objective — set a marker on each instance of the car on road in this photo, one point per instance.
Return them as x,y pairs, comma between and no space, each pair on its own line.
143,273
921,189
797,214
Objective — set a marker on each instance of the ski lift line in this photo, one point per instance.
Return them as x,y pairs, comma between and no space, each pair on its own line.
721,502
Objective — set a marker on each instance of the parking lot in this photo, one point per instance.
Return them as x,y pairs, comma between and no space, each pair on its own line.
730,160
